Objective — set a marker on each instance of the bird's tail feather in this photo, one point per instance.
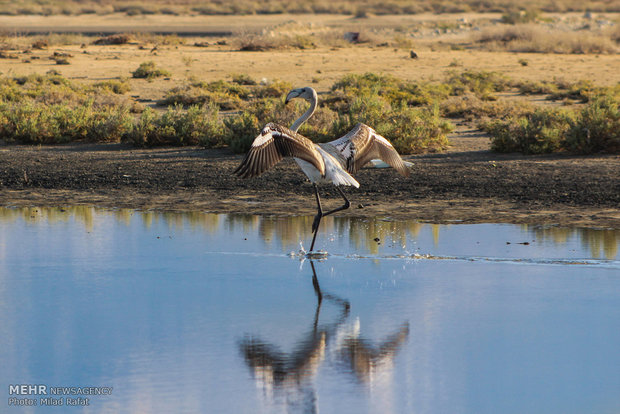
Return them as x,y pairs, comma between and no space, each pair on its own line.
344,178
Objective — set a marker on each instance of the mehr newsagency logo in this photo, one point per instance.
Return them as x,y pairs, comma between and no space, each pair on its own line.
45,395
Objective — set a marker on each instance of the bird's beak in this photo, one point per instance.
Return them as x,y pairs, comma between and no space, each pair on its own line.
291,95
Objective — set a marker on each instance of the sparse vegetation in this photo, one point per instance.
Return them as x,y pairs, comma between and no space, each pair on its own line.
52,109
596,128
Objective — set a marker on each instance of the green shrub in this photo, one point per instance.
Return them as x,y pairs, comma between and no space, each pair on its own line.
148,70
117,86
243,79
227,96
537,87
580,91
368,108
273,89
32,123
319,127
395,91
541,131
410,130
483,84
241,131
474,109
190,95
415,130
48,109
143,128
110,124
369,82
596,129
176,126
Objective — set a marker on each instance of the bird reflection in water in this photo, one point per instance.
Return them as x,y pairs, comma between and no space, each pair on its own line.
291,376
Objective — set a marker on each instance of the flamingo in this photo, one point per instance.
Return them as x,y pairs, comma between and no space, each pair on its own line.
331,162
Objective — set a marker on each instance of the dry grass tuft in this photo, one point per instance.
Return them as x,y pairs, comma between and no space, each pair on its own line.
116,39
538,39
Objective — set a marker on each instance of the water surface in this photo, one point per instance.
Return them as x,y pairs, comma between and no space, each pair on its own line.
217,313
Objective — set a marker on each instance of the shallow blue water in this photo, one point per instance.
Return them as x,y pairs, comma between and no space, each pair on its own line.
211,313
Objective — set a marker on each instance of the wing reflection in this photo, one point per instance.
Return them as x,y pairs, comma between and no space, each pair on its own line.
289,377
292,374
366,361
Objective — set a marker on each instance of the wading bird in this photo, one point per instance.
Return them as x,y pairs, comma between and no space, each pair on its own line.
333,161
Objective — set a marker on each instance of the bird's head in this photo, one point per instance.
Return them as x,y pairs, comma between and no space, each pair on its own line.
306,93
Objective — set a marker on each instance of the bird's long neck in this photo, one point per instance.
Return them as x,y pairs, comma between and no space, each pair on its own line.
306,115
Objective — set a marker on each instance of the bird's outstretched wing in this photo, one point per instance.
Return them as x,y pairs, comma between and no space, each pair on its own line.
363,144
274,143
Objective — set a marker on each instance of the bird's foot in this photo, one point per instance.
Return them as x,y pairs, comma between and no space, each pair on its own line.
318,255
315,223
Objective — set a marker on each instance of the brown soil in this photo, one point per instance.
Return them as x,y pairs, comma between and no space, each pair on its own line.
458,186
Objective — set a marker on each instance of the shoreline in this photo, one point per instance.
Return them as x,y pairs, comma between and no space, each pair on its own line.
462,211
452,187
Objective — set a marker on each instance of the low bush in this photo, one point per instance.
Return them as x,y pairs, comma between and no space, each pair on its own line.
31,123
474,109
395,91
117,86
194,126
410,130
580,91
148,70
188,95
541,131
596,128
483,84
593,129
243,79
537,87
241,130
